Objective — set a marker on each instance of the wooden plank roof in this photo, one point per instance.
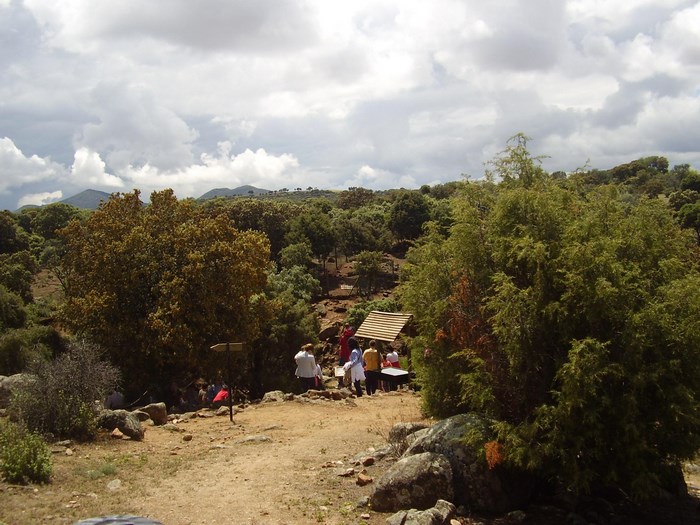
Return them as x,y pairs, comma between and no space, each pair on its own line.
383,326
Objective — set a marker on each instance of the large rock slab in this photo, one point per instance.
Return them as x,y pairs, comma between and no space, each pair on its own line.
477,487
440,514
125,421
414,482
158,413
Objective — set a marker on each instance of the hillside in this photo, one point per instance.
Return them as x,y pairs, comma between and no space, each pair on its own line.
87,200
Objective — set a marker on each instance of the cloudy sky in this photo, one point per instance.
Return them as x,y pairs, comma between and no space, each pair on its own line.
116,95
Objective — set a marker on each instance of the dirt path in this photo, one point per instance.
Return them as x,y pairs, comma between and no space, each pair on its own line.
278,463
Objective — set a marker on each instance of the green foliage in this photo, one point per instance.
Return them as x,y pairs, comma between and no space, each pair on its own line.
359,312
363,228
12,237
409,211
12,311
19,348
24,456
296,281
53,217
292,323
571,318
355,198
689,217
314,227
156,285
298,254
268,217
17,271
59,399
368,266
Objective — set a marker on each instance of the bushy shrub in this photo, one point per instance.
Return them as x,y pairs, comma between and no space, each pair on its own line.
24,456
60,399
20,347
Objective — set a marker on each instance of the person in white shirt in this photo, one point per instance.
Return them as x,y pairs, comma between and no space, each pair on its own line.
355,365
393,358
306,367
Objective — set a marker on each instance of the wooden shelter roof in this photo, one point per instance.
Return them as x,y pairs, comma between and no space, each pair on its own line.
383,326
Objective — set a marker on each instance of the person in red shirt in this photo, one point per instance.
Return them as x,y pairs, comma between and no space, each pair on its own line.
344,352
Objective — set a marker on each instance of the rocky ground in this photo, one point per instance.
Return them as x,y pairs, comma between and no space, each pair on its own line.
285,462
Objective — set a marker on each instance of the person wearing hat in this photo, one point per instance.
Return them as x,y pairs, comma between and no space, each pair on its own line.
306,367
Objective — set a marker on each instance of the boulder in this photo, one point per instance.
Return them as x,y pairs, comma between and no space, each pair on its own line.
400,431
158,413
127,423
441,514
477,487
141,415
273,396
414,482
9,384
330,332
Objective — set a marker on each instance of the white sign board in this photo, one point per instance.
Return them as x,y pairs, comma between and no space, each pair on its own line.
222,347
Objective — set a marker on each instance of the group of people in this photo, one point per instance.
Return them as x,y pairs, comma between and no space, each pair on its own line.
358,366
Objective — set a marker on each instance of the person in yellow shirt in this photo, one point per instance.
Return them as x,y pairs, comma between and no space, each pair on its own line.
373,367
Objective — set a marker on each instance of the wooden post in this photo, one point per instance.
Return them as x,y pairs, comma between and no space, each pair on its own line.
228,348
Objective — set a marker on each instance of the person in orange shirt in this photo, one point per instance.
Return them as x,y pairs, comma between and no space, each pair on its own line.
373,366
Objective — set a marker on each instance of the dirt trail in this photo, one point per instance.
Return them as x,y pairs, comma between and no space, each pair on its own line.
278,463
279,475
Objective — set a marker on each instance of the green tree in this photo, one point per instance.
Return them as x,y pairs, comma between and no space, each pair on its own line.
17,271
689,216
13,238
298,254
368,266
53,217
355,198
292,323
315,228
12,311
156,285
569,318
409,211
361,229
268,217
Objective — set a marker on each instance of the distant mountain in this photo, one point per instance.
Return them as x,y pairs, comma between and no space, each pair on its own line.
226,192
88,199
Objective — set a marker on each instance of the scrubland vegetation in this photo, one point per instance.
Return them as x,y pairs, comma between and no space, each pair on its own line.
565,307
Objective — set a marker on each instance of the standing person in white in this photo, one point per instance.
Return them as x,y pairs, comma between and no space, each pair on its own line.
355,365
306,367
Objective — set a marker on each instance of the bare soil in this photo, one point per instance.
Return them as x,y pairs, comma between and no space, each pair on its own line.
277,463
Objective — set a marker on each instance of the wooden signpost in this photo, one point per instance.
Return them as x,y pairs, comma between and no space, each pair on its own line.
229,348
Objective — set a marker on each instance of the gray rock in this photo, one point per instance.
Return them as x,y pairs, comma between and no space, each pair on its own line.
441,514
479,488
273,396
416,481
158,413
9,384
127,423
141,415
400,431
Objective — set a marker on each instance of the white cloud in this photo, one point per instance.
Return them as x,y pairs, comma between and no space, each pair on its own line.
221,170
18,169
40,199
89,169
306,93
